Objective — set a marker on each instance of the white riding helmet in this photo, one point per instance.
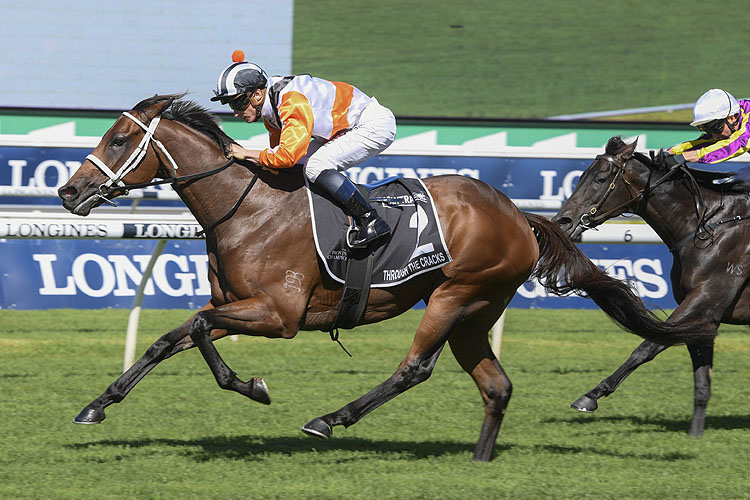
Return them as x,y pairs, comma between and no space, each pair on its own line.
716,104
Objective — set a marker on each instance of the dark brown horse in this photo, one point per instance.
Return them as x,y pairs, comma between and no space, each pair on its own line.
494,247
704,224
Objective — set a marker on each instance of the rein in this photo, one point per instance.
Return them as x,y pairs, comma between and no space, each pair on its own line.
590,217
704,231
188,179
139,154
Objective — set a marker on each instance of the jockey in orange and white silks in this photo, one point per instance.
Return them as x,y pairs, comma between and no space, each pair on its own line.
326,126
725,125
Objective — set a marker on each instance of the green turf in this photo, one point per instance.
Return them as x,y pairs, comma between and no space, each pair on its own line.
179,436
533,59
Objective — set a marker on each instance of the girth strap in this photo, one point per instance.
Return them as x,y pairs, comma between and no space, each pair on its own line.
356,288
356,292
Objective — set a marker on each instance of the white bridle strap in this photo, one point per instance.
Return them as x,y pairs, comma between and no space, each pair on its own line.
104,168
151,130
136,157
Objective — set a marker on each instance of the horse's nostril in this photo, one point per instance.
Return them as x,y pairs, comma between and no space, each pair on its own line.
563,220
67,192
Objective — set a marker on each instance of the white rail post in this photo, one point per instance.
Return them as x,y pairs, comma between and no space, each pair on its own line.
135,312
497,334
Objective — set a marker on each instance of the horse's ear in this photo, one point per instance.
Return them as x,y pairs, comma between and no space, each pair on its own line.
154,106
161,106
627,151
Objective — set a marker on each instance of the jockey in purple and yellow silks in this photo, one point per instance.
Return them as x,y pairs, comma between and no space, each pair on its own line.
725,123
325,126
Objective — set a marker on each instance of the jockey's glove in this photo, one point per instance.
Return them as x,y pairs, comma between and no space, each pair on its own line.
674,160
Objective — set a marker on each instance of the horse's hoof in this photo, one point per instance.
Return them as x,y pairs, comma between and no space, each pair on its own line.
696,431
585,404
90,416
318,428
259,391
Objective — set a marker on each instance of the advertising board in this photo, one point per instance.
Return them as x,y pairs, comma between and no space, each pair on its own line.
53,266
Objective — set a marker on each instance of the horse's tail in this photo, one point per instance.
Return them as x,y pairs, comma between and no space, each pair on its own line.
563,268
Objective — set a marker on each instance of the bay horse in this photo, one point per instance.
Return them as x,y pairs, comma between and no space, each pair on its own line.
258,229
705,225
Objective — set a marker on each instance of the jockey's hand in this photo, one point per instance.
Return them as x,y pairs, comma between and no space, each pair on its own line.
237,151
673,160
240,153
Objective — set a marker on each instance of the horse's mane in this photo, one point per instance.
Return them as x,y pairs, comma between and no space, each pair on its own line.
614,145
705,178
191,114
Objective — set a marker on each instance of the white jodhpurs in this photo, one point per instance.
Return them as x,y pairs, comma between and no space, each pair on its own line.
374,132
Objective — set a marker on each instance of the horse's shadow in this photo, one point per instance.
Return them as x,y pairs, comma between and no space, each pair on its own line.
257,448
663,424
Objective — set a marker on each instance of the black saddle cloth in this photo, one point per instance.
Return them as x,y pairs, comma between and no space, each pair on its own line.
415,245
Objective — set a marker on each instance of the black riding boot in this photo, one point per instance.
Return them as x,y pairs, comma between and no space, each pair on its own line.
343,192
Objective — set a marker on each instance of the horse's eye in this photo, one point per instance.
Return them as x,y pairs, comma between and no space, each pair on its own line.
601,179
118,141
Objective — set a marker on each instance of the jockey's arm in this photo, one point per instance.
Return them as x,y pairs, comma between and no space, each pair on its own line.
690,156
289,144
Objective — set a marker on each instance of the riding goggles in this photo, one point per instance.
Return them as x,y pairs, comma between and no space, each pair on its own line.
712,127
238,103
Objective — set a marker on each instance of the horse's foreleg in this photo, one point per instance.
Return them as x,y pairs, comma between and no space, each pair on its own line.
702,357
93,413
642,354
251,316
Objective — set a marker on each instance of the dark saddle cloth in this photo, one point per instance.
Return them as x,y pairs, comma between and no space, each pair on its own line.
415,245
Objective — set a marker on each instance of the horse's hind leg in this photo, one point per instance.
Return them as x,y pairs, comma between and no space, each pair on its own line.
415,368
644,353
470,345
167,345
412,371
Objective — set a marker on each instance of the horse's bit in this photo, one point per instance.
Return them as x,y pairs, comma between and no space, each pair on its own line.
133,161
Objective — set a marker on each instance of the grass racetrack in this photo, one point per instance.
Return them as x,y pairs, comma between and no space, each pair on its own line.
179,436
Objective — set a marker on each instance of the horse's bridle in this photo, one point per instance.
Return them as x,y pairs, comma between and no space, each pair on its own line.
703,232
137,156
589,219
133,161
